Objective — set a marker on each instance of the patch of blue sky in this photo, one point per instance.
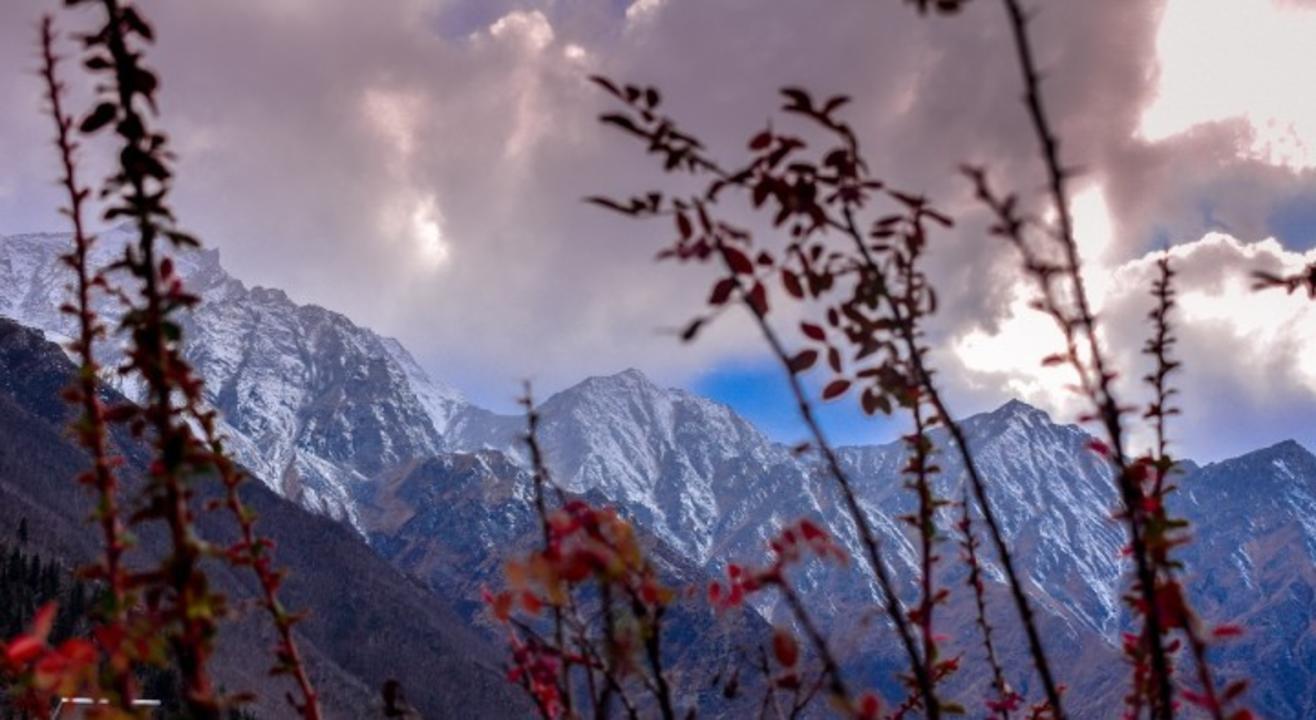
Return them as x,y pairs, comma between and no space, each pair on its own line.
760,393
1293,221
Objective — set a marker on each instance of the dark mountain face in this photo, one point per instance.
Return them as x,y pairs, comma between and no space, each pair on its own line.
452,521
368,622
1253,562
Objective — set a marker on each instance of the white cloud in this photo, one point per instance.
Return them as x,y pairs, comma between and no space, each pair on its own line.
1247,372
1223,59
394,115
642,10
531,28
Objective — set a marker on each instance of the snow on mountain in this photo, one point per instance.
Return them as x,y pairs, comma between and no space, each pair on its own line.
333,415
710,484
1253,562
314,404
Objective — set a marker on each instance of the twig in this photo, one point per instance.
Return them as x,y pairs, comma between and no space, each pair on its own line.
91,428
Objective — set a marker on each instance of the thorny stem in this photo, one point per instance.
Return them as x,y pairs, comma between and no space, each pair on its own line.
970,544
924,375
654,655
91,429
540,470
1159,347
154,361
830,666
576,624
927,535
770,687
256,551
1107,406
872,547
610,629
682,150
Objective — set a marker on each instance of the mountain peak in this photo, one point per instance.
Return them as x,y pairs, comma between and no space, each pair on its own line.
1282,449
631,376
1015,406
1284,461
1286,447
1017,412
629,379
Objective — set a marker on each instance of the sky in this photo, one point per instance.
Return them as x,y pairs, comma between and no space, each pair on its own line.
419,165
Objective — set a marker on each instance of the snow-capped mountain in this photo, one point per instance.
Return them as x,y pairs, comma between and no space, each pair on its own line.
314,403
346,422
710,484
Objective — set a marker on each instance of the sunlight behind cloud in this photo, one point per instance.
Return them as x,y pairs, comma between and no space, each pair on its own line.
1223,59
1094,232
1015,352
428,233
531,28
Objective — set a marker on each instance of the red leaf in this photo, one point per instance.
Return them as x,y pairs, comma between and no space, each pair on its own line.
104,114
760,141
78,650
803,361
813,331
871,401
811,531
721,291
1050,360
1226,631
834,359
791,282
1234,689
785,648
683,226
869,707
758,299
835,389
737,260
43,621
23,650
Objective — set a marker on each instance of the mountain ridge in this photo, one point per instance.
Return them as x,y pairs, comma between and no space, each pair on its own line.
328,412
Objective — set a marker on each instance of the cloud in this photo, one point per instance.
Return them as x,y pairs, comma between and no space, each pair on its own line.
427,182
641,10
1223,59
1248,379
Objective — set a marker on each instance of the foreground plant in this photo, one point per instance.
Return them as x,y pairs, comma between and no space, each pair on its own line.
1050,256
866,277
169,610
589,564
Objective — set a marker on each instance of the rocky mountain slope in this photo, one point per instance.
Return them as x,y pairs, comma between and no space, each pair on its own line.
314,403
346,423
368,622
